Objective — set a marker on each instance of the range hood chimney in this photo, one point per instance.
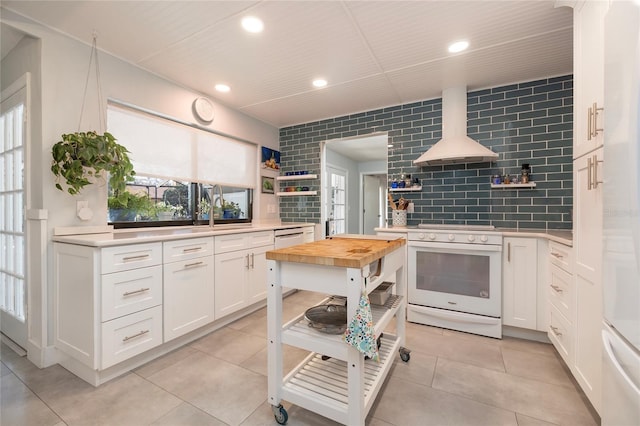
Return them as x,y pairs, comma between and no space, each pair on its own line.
455,147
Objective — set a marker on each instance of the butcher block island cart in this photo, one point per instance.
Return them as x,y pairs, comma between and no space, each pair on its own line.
335,380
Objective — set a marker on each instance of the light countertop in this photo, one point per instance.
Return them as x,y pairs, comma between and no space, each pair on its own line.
560,236
148,235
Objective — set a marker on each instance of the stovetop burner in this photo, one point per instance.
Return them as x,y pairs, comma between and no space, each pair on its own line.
440,226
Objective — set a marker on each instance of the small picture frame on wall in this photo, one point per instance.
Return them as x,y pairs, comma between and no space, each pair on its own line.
270,158
268,185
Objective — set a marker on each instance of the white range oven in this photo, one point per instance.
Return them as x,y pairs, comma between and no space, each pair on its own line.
454,275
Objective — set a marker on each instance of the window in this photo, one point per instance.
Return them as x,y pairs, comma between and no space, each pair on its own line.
185,173
161,202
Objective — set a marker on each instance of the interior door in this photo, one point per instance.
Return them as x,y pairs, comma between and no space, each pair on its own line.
337,201
371,204
13,312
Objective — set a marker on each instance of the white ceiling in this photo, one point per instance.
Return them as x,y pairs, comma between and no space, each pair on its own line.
373,53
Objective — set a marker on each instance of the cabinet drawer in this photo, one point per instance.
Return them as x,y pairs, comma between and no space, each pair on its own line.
130,335
124,258
124,293
561,256
561,290
243,241
561,335
187,249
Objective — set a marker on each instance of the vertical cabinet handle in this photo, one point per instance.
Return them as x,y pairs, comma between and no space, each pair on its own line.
589,174
595,119
595,162
247,259
589,125
252,261
508,252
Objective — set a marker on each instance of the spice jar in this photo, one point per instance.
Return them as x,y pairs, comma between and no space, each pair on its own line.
496,179
506,179
525,173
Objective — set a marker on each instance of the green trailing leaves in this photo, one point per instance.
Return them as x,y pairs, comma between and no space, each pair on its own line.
81,157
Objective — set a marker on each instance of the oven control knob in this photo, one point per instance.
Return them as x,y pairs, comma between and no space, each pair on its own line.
432,236
452,237
471,238
421,236
484,238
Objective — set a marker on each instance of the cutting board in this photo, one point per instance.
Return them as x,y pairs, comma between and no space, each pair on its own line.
347,251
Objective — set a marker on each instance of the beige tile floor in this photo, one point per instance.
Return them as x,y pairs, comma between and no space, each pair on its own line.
452,379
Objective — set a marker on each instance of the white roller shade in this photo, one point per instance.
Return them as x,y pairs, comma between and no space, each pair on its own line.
166,149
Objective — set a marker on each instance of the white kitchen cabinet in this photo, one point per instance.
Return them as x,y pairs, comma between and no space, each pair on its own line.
520,282
561,294
588,274
589,108
107,302
240,270
188,285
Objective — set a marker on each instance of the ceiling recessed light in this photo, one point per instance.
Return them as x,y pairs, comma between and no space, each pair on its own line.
319,82
458,46
222,88
252,24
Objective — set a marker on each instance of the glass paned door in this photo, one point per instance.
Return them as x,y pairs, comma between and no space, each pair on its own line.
337,207
12,217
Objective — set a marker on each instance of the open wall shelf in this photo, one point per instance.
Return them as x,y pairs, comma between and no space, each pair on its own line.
513,185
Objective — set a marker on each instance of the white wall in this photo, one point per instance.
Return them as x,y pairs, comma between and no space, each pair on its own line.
60,68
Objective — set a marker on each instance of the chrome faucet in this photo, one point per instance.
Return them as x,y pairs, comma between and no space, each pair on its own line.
213,203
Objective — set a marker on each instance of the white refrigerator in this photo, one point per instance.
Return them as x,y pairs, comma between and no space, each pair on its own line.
621,217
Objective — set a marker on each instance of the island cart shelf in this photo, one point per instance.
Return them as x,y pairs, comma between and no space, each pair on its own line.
335,380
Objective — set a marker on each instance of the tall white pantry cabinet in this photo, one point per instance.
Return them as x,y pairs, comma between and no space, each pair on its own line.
588,140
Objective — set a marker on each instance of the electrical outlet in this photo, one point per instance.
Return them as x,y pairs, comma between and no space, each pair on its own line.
83,211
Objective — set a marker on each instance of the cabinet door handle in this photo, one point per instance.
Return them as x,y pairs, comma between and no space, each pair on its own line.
589,174
191,250
595,119
589,124
595,162
557,255
191,265
252,261
557,289
555,331
130,258
129,293
508,252
247,259
142,333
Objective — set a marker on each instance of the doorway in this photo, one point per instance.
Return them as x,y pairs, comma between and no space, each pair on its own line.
374,189
357,157
13,291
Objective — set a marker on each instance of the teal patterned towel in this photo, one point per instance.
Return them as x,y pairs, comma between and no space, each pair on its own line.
360,332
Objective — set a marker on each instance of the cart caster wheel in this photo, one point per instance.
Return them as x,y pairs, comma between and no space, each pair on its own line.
405,354
280,414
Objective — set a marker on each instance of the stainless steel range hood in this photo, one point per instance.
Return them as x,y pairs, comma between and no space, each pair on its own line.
455,147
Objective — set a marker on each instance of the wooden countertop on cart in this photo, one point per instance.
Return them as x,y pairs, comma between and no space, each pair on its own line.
350,251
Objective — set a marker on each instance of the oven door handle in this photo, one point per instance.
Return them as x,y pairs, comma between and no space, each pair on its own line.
454,246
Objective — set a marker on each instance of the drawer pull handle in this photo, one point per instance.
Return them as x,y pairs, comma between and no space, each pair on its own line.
557,255
452,303
142,290
555,331
191,250
557,289
140,257
191,265
142,333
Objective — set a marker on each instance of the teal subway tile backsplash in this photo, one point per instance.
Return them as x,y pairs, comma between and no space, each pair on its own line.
530,122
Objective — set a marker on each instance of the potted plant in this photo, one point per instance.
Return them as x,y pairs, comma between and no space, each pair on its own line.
204,208
164,210
231,210
81,158
127,206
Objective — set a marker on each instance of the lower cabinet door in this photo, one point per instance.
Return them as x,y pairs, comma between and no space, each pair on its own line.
188,296
130,335
257,279
231,275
